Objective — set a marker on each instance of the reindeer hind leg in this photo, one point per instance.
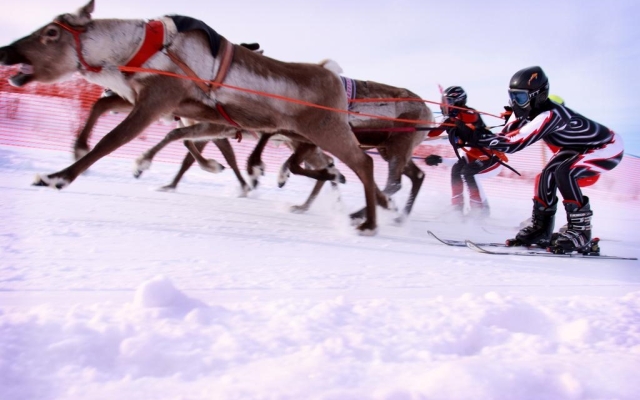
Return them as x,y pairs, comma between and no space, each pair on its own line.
227,151
416,176
187,162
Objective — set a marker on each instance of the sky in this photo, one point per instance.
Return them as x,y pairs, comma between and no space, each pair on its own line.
110,289
588,49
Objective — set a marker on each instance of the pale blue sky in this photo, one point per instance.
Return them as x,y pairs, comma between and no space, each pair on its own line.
589,49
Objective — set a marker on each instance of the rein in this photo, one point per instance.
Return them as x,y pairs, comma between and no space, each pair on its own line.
493,156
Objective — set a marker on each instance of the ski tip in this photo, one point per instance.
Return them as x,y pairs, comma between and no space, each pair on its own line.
474,246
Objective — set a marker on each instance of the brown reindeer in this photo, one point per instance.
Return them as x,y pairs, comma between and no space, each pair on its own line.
98,47
395,141
111,102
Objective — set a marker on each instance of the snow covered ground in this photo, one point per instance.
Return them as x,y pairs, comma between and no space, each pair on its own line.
112,290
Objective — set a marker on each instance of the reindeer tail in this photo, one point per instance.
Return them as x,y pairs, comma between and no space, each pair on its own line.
331,66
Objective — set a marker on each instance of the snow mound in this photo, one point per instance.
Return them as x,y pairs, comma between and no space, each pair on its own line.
160,293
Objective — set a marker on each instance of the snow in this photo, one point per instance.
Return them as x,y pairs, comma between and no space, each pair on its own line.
110,289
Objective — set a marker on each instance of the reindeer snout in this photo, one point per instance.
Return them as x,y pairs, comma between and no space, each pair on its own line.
3,56
9,56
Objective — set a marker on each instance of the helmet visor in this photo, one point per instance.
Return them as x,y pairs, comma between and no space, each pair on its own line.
519,97
446,104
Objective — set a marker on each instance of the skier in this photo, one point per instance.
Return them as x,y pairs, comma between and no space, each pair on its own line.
473,163
585,149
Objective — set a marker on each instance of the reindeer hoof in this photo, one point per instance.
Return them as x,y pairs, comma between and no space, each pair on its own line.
367,229
338,177
358,214
356,221
167,188
283,176
256,172
39,182
244,190
400,219
212,166
52,182
142,164
391,205
299,209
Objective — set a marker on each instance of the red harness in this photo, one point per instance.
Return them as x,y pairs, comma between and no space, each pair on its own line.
153,42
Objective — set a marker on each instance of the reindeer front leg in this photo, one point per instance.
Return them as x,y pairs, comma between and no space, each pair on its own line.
159,96
104,104
255,166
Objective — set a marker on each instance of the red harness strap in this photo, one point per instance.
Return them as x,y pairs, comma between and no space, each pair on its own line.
153,43
229,120
76,35
225,64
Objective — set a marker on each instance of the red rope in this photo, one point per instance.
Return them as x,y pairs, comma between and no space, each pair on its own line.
409,99
278,97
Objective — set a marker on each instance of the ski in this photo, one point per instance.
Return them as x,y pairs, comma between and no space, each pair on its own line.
480,248
461,243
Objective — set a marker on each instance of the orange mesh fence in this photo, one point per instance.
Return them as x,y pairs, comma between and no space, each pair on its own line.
50,116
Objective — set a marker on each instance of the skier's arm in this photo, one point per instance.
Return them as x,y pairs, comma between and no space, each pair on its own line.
515,140
439,130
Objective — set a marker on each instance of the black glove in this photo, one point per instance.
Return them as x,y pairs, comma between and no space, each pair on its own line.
433,160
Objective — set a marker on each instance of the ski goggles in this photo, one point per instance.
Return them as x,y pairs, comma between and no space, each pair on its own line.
520,97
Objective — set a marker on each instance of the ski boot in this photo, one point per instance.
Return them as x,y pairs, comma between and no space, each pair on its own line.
577,237
538,233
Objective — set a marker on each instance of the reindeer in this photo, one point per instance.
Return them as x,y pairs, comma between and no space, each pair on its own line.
395,142
111,102
97,48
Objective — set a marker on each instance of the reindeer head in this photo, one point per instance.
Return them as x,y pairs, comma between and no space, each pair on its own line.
49,53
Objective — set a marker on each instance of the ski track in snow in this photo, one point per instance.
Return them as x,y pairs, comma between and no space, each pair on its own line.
112,290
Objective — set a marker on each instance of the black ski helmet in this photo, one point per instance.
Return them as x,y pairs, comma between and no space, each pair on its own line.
528,90
453,96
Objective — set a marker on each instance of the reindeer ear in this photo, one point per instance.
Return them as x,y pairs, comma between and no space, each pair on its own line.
84,14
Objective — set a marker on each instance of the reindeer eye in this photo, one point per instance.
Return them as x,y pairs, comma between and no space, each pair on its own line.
51,32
